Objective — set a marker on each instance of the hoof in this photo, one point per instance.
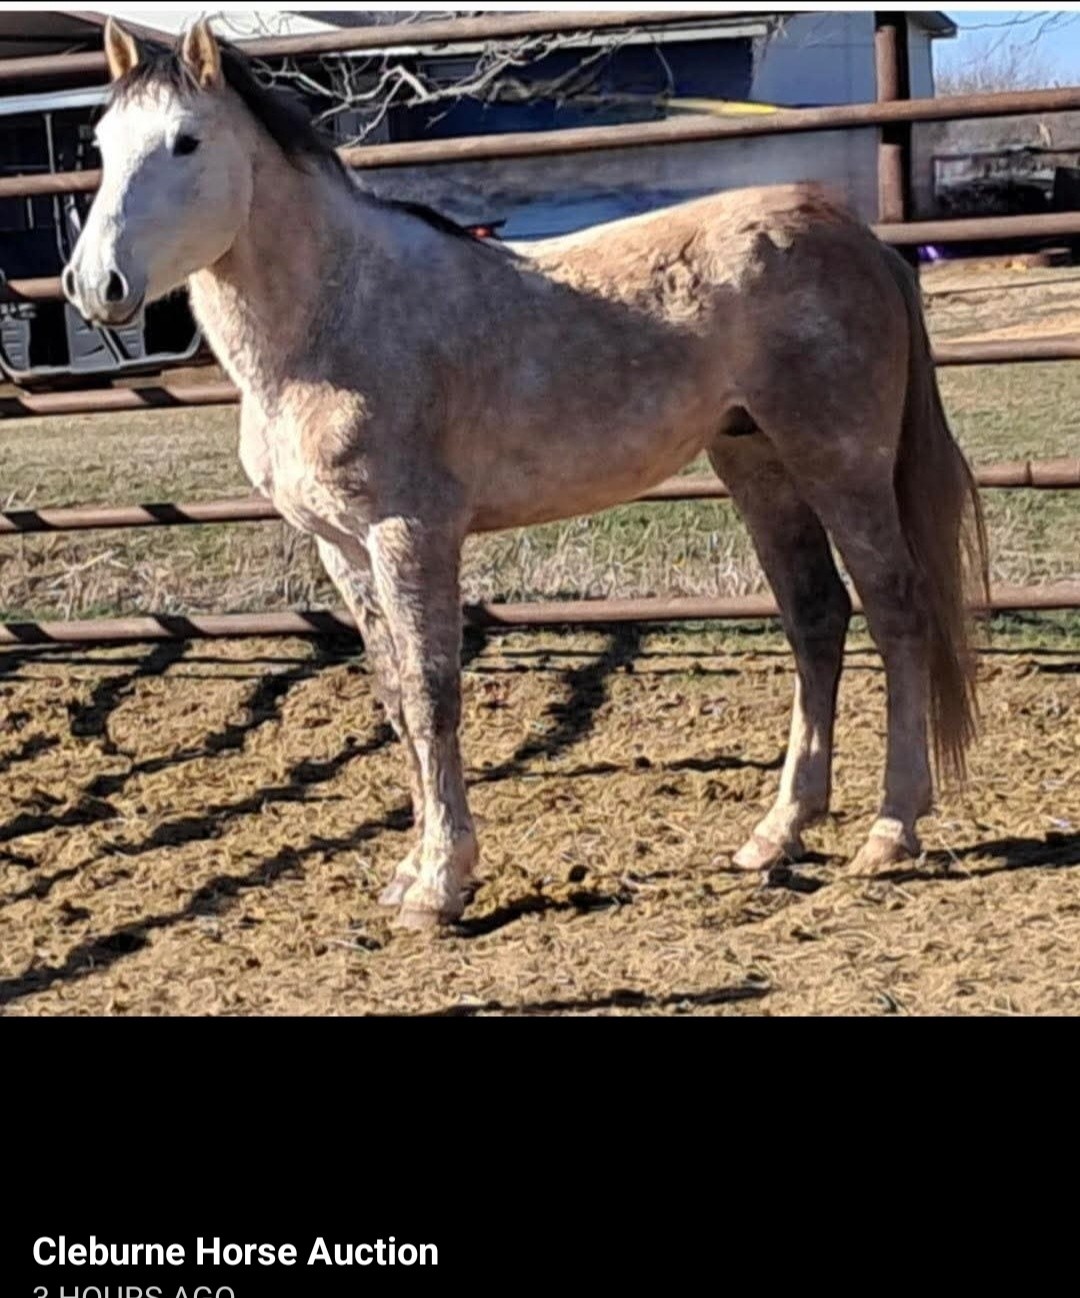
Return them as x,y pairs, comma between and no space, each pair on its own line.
424,907
404,878
759,853
880,851
418,919
394,892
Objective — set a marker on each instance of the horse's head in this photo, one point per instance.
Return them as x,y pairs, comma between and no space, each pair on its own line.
177,157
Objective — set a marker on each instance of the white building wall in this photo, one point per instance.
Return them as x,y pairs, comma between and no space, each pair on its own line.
828,58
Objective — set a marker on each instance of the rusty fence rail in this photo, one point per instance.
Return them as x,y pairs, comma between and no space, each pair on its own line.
902,234
582,612
1056,474
669,131
20,404
1059,474
71,69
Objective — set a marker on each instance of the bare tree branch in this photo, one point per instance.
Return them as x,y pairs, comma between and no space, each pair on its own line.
1017,56
991,67
355,93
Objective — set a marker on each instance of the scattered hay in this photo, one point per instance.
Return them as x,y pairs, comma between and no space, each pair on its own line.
204,829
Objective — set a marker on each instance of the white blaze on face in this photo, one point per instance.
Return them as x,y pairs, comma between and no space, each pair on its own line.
176,188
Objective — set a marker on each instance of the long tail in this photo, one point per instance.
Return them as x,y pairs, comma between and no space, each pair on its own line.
943,521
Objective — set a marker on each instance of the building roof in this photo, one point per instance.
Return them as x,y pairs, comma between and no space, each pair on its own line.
23,35
936,22
244,24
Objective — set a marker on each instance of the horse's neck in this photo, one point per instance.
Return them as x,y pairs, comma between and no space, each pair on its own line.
258,304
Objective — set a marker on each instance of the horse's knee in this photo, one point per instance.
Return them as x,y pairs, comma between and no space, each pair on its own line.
431,696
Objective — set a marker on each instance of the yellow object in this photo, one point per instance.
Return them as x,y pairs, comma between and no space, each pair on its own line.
719,107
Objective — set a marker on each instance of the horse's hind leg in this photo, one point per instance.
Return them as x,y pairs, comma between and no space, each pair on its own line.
352,576
845,461
861,512
814,607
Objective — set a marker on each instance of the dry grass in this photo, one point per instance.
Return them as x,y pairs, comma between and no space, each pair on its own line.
999,413
204,830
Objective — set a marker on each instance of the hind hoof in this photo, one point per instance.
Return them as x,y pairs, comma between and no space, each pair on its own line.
759,853
881,851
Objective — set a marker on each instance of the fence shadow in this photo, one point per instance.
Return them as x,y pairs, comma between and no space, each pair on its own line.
99,953
574,716
90,720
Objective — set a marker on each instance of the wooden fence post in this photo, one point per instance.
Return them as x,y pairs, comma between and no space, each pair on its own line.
893,73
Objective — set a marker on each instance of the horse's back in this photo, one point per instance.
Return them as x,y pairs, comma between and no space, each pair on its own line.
792,207
676,258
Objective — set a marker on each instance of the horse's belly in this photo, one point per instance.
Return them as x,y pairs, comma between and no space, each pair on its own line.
582,477
584,435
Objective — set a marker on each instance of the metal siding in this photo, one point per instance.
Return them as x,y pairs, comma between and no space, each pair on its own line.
818,59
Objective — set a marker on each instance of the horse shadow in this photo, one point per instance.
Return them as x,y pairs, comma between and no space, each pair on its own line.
1054,851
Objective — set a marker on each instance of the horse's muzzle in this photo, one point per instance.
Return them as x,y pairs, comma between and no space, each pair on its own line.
106,299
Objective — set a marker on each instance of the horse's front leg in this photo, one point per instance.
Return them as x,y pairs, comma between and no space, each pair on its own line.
349,568
416,571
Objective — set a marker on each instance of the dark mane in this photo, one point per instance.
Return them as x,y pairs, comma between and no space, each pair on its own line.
283,117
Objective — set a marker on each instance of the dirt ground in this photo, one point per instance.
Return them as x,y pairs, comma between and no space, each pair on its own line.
203,829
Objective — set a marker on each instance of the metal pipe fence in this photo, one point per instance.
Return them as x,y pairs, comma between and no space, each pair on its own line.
893,113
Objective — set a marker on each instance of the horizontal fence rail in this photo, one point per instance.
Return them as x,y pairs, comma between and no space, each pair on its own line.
672,130
115,400
165,396
901,234
583,612
1054,474
45,289
980,229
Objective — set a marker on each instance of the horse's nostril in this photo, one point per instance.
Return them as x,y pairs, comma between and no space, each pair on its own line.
116,289
67,283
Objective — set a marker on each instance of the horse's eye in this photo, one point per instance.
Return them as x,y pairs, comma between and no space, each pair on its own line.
185,144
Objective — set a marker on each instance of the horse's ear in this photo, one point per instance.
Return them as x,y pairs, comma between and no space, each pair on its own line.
201,55
121,52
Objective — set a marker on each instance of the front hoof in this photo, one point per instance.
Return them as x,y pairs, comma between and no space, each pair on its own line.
394,892
416,919
425,907
408,868
759,853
